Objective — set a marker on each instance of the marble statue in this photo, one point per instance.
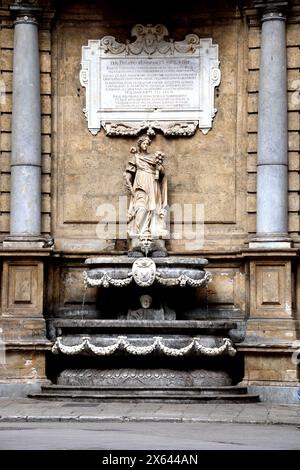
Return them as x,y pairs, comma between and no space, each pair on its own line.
147,183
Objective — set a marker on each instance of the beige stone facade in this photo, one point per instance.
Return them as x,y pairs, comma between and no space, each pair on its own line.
260,289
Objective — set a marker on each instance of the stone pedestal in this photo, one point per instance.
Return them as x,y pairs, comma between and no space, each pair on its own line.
271,337
23,326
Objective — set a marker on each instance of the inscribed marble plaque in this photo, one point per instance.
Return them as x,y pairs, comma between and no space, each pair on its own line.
151,83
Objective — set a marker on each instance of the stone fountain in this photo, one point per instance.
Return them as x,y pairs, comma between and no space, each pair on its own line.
141,346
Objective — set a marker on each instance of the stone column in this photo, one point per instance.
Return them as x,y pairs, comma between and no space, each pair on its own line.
272,145
22,320
25,223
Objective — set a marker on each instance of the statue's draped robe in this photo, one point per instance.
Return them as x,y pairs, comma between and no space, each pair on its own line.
149,197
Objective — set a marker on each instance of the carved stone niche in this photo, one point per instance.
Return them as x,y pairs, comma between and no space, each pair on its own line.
152,83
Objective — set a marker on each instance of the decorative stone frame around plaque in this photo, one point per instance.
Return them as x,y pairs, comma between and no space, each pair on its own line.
153,83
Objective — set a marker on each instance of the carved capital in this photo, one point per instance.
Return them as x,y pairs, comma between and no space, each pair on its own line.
26,12
272,10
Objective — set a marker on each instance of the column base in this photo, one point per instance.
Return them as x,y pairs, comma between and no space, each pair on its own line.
23,366
27,242
276,394
270,242
19,389
272,369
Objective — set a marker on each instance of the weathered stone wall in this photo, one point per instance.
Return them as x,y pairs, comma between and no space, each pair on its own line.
217,169
87,170
207,169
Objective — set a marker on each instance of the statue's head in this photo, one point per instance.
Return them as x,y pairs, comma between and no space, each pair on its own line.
144,142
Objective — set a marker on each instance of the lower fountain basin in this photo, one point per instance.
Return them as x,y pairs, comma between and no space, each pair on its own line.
141,378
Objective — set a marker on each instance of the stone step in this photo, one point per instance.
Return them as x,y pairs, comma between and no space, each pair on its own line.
225,394
147,396
138,391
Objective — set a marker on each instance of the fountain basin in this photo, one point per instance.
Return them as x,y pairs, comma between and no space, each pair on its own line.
168,272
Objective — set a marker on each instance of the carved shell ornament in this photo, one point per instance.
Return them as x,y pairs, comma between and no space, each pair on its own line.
144,272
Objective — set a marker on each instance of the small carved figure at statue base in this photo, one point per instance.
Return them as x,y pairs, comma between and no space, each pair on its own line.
146,181
148,311
145,312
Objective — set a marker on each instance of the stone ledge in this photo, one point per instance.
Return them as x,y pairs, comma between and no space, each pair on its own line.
271,346
27,254
33,345
155,325
168,260
27,244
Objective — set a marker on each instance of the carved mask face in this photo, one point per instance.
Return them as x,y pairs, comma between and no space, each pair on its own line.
144,271
150,41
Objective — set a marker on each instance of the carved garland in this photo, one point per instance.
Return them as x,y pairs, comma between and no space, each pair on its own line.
123,344
183,280
106,281
134,128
